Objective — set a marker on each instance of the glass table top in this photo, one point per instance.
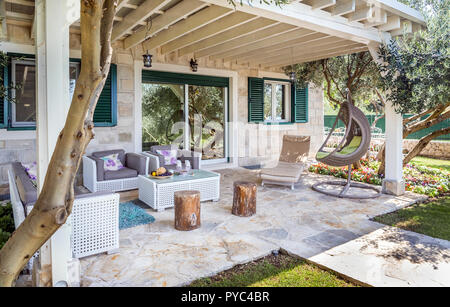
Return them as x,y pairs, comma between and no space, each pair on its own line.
193,175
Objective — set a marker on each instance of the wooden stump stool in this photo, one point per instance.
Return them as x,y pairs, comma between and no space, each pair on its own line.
187,210
244,199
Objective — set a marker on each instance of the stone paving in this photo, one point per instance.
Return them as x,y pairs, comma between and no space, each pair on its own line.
301,222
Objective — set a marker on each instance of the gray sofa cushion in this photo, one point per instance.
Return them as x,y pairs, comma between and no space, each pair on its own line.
121,174
27,190
136,162
121,152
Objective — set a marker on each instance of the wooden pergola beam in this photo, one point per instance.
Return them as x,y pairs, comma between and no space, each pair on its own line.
288,52
230,55
317,55
247,28
162,22
294,52
192,23
209,30
393,23
281,46
321,4
143,12
245,40
344,7
361,14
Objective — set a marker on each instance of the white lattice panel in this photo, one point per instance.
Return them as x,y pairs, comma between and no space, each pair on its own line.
95,225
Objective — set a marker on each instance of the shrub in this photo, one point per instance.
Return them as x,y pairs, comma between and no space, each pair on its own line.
6,223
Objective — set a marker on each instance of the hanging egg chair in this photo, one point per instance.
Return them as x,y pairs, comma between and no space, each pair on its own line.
353,146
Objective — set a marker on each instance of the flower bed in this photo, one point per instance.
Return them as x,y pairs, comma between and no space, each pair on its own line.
418,179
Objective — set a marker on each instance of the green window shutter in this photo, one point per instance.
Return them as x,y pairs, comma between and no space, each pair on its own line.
255,100
105,114
3,100
299,105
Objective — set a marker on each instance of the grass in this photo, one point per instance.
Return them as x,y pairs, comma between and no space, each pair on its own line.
274,271
430,218
434,163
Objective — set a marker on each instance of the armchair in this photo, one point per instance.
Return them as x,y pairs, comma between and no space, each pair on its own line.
95,178
156,160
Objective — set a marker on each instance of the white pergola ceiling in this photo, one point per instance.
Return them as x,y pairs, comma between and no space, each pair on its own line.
256,35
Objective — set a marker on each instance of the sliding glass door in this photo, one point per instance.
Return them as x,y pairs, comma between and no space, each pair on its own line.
207,121
163,116
189,115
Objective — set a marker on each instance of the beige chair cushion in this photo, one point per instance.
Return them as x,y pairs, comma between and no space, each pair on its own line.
295,148
283,172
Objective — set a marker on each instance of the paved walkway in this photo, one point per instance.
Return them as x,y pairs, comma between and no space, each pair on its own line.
302,222
391,257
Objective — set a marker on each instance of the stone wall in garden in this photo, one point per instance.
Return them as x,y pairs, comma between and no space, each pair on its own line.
436,149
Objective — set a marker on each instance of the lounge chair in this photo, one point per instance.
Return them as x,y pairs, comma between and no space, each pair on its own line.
291,164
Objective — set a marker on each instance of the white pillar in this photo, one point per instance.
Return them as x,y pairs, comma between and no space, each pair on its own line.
53,19
393,182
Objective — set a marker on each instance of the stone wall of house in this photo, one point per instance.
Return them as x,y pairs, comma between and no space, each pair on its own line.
435,149
260,144
257,144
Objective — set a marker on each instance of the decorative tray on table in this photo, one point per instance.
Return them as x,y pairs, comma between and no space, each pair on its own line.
161,173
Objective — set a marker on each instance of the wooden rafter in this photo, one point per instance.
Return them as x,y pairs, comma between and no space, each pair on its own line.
287,45
297,50
144,11
245,40
245,29
196,21
230,55
317,55
171,16
209,30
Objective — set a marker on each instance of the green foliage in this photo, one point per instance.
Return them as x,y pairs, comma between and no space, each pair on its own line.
432,218
357,72
163,112
417,69
274,271
6,223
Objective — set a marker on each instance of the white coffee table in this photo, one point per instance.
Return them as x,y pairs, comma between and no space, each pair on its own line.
159,193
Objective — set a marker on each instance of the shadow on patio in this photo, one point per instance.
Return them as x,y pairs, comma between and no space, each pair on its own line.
301,222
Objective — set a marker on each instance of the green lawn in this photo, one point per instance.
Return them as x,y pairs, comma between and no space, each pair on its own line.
434,163
431,219
274,271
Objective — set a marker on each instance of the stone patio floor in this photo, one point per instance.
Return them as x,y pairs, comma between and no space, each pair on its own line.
329,231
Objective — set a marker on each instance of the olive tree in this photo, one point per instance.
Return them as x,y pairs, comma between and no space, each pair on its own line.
55,201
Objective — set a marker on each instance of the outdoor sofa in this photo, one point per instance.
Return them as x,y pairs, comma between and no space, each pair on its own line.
94,219
96,179
156,160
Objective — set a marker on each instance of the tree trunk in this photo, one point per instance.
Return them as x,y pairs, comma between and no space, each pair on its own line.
187,210
423,142
55,201
244,199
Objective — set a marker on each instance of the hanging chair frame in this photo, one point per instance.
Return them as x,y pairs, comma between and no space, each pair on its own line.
354,117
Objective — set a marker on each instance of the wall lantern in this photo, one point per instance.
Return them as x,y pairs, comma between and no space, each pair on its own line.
147,59
293,76
194,65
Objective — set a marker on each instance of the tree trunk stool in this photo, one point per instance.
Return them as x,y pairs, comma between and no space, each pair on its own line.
187,210
244,199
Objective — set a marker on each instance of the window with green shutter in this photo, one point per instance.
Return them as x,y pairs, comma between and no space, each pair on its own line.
105,114
276,101
299,105
255,100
